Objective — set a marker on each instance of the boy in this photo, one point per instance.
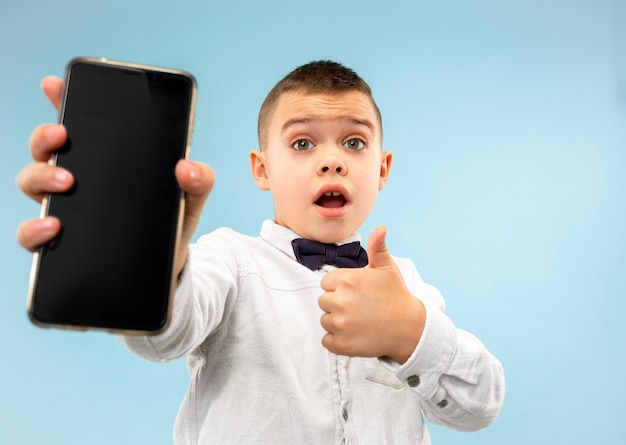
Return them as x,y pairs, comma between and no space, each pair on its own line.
267,365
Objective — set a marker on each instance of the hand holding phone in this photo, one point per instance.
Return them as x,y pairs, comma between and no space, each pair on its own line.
109,267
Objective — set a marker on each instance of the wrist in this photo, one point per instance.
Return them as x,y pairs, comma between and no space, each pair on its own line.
409,331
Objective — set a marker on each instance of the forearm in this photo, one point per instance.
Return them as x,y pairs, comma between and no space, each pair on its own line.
203,297
178,338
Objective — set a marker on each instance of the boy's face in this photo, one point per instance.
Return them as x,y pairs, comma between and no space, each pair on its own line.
323,162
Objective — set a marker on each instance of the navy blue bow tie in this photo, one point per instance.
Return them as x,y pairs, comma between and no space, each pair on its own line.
314,254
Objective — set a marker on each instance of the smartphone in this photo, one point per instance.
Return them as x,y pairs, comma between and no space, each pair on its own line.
111,266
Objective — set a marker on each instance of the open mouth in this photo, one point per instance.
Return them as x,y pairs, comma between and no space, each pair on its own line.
331,200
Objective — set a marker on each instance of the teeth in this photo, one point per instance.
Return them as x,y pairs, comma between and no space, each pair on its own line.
332,194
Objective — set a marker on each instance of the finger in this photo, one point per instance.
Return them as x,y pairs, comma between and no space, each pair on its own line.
328,341
40,178
325,302
34,233
334,278
53,89
46,139
327,282
327,323
338,345
377,251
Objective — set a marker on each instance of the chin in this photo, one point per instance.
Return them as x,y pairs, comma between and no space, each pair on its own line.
333,235
324,230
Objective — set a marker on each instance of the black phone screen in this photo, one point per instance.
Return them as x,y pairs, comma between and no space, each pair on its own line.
111,265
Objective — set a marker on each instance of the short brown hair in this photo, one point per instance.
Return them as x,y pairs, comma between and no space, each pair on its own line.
323,76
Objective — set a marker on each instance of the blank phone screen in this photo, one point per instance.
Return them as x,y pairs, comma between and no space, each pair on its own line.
111,265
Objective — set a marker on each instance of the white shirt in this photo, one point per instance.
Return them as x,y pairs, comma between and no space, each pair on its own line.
246,316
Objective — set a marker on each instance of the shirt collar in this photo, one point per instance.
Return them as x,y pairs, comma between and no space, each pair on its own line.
280,237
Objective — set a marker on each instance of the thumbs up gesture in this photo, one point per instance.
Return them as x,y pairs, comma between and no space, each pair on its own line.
370,312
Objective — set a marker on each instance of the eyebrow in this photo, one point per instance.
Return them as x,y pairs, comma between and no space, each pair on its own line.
304,120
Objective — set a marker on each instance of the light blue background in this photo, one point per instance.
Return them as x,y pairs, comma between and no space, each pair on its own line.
508,125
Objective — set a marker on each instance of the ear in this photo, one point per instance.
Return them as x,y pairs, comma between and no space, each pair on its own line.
385,166
259,170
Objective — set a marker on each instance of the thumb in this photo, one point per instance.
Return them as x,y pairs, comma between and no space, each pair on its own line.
196,180
377,251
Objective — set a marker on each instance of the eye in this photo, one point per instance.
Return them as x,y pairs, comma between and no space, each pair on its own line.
303,145
354,144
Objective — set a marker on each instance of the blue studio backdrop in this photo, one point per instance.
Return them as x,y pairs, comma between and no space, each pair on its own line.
508,125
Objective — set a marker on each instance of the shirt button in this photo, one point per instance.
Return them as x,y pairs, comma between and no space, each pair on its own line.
443,403
344,414
413,381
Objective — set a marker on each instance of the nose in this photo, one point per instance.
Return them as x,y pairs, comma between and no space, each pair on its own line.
332,164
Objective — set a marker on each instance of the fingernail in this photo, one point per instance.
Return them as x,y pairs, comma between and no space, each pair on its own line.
47,223
52,132
61,176
194,174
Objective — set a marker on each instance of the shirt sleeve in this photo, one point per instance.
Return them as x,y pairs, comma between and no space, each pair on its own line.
204,297
459,382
